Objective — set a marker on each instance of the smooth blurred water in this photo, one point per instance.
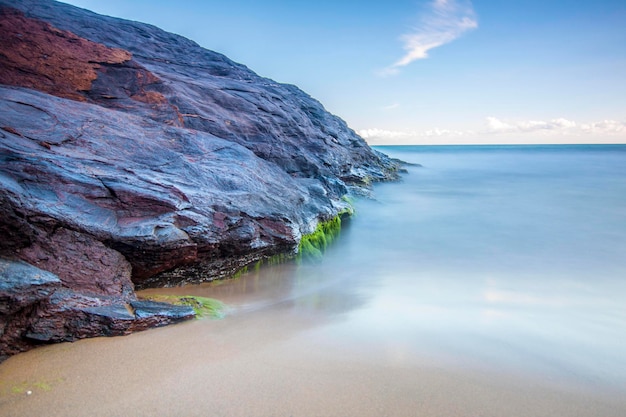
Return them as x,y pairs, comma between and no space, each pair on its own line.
510,259
513,257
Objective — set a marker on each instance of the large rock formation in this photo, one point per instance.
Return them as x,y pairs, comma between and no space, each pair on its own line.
131,157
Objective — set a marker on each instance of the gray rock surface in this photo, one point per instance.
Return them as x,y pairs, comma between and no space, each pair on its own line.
131,157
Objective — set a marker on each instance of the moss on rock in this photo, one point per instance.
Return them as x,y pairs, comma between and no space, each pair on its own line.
202,306
313,245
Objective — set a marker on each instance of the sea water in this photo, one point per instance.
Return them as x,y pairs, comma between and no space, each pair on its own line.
509,258
502,256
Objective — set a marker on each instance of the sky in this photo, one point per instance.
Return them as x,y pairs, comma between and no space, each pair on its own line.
426,71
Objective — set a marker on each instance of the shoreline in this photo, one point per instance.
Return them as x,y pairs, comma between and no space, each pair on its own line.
231,369
429,330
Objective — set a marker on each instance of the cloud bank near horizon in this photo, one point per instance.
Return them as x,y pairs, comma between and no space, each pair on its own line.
443,22
496,130
560,126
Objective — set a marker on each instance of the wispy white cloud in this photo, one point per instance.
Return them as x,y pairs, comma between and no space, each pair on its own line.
404,135
391,106
496,125
605,127
560,130
442,22
559,126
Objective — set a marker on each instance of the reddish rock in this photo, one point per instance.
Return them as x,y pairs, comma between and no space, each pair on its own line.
37,55
36,307
81,262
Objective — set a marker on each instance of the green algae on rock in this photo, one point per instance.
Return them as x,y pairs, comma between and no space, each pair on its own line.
202,306
313,245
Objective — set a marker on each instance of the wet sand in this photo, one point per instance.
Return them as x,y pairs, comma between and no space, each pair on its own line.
273,355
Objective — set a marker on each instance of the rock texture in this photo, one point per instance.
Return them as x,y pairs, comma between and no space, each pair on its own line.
35,307
131,157
39,56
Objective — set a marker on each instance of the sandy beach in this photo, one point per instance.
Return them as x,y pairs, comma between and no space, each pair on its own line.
182,371
274,360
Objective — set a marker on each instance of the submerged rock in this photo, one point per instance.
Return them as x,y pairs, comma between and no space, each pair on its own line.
131,157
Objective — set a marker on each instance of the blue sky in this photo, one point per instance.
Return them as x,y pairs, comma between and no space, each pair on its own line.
437,71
